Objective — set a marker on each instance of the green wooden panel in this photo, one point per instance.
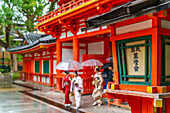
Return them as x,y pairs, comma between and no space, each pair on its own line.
163,60
121,49
37,66
46,66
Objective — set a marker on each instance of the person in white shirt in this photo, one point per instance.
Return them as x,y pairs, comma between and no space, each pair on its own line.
77,86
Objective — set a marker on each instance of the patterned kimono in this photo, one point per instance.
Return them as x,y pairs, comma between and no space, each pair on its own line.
97,92
66,89
78,88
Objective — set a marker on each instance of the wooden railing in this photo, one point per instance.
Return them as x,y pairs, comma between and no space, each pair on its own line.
44,79
64,8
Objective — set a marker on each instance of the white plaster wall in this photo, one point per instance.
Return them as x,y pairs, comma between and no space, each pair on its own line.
63,35
67,54
80,32
165,24
48,80
96,48
67,44
69,34
95,29
34,78
134,27
82,45
38,78
82,51
54,66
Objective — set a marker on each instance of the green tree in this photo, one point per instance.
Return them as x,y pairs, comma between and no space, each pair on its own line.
19,15
6,16
52,5
30,9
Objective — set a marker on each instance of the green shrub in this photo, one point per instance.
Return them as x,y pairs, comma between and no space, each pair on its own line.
2,70
16,75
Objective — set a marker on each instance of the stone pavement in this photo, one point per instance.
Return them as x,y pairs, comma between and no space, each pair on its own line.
45,100
16,102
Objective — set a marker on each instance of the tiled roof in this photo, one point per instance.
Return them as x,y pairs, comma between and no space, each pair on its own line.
33,40
127,11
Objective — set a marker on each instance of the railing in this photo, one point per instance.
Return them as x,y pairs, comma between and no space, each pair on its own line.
64,8
44,79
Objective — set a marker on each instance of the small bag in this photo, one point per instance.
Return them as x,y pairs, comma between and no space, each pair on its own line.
79,90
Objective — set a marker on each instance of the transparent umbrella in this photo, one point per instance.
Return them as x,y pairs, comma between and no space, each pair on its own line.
92,62
69,65
110,59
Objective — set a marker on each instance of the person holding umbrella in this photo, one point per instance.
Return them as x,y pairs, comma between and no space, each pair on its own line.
66,88
105,76
68,65
77,86
98,83
110,73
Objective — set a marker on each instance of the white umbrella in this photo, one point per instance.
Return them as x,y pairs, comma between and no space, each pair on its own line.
92,62
69,65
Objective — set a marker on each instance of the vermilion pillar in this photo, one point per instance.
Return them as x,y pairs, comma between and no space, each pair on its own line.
75,48
51,68
115,62
114,54
156,52
106,47
41,66
59,56
23,66
59,51
32,63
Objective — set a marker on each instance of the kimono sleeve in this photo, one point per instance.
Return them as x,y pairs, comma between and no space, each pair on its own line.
71,88
101,81
80,82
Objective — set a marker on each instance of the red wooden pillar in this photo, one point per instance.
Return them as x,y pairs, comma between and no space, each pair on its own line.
115,62
23,67
114,54
156,53
142,105
59,56
32,66
51,69
41,67
106,47
29,69
75,48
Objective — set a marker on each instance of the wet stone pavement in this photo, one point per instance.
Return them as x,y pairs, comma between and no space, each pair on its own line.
45,100
16,102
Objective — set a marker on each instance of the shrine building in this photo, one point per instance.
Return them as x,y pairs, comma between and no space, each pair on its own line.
135,33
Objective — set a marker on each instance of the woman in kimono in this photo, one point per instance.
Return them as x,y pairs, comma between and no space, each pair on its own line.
97,82
66,88
77,86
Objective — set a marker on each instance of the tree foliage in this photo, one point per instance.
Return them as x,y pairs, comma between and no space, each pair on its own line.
52,5
19,15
